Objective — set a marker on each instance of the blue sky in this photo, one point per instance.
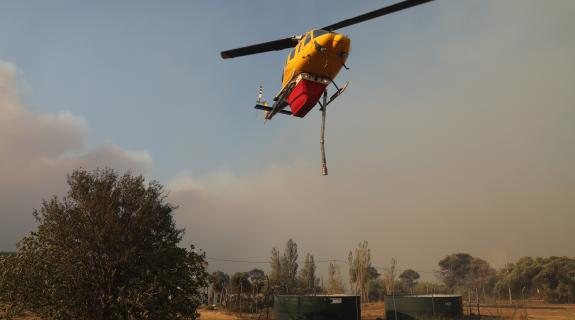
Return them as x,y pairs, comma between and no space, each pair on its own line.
456,134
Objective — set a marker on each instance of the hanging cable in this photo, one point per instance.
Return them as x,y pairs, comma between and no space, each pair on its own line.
322,138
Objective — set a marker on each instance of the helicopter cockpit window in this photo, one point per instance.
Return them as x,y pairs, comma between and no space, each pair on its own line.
306,40
292,54
319,32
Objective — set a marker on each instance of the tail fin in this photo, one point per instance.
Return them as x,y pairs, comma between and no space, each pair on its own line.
260,102
260,93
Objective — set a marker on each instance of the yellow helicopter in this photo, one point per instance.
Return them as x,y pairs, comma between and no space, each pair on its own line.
313,63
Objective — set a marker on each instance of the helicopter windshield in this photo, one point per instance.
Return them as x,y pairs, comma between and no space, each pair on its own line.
307,39
319,32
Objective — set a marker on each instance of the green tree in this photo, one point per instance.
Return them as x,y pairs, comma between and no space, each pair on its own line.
219,281
289,266
240,282
389,277
408,279
359,264
518,277
107,250
372,273
8,281
307,280
257,279
334,281
461,272
425,287
552,278
376,289
375,285
557,280
276,277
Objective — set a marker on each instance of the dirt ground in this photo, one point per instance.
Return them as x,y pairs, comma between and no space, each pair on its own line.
553,312
372,311
216,315
221,315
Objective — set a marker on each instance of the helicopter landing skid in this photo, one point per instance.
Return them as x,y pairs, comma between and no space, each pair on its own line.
337,93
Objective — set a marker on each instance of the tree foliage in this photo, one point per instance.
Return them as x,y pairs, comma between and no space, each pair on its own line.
372,273
389,277
557,279
257,279
283,273
307,280
107,250
550,278
219,281
518,277
359,264
426,287
289,265
334,281
461,272
240,282
376,289
276,277
408,279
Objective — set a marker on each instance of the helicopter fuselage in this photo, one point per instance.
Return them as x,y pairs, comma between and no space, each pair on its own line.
319,53
310,66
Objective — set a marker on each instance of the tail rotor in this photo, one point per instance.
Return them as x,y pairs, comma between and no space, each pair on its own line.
262,102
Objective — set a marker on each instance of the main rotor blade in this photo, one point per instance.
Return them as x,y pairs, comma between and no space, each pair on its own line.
261,47
376,13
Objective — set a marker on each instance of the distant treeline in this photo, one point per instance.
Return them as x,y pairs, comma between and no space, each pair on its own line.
551,279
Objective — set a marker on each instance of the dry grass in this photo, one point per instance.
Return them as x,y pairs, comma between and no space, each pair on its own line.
374,310
554,312
370,311
27,317
216,315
